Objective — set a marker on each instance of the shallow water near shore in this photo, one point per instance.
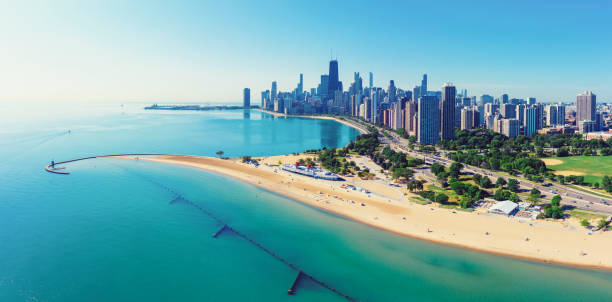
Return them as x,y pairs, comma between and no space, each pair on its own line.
109,232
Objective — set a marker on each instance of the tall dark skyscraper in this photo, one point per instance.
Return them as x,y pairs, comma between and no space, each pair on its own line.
503,99
273,97
447,112
333,77
585,107
428,120
246,100
371,80
392,91
424,85
301,84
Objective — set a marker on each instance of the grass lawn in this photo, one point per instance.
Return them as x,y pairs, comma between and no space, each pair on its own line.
419,200
593,168
452,196
585,215
591,191
458,208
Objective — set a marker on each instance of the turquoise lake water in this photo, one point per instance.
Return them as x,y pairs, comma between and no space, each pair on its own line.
107,231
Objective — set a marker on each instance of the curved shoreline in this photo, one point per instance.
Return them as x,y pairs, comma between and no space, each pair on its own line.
299,187
316,117
439,221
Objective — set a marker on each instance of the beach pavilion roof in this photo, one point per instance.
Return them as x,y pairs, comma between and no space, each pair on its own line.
503,207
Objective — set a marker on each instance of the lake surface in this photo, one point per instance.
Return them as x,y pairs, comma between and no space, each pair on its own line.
109,232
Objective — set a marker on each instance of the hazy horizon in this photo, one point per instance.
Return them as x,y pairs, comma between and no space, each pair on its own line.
196,52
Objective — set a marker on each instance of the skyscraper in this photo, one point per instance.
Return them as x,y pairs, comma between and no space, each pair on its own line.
246,100
371,80
467,119
555,115
508,110
301,84
511,127
490,108
424,85
416,93
485,99
531,101
503,99
323,88
410,115
520,113
374,104
539,115
447,112
530,120
392,91
273,90
428,131
333,77
367,109
585,107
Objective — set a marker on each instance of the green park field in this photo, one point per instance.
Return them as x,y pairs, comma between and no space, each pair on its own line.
593,168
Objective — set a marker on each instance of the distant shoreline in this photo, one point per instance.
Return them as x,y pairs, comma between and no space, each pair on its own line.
318,117
194,107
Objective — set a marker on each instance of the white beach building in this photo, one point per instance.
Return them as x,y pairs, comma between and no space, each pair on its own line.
505,207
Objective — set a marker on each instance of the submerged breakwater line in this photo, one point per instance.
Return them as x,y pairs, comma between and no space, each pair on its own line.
301,274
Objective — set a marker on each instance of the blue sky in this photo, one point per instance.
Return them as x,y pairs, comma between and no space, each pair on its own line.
120,51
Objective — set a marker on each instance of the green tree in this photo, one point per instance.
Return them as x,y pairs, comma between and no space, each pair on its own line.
602,224
455,169
485,182
436,168
513,185
561,179
534,196
562,152
515,198
441,198
585,223
419,185
501,195
500,183
458,187
442,176
606,183
556,200
400,173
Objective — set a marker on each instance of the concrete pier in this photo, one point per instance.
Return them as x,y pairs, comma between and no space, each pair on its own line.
51,167
217,233
292,289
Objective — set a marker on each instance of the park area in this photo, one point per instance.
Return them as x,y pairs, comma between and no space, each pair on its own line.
593,168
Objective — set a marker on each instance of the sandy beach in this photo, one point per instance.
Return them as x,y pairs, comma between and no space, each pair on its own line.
389,208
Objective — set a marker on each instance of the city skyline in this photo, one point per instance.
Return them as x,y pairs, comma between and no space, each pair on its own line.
186,52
